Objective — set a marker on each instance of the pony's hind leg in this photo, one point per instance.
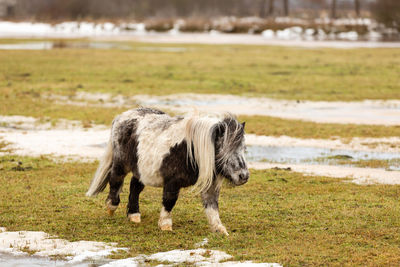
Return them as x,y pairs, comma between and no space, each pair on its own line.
117,176
170,196
133,206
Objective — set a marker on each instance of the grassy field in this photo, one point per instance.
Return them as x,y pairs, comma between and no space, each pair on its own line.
279,216
285,73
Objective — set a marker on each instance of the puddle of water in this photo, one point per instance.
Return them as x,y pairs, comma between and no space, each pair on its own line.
62,44
311,155
86,45
27,46
9,260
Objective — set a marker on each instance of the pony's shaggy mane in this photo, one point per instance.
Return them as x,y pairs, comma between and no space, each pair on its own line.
201,148
232,138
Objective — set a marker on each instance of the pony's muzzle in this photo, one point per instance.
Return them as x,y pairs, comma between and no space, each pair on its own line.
243,177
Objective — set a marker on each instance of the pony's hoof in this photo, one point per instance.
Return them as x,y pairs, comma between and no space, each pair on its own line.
110,212
166,227
110,208
134,217
221,229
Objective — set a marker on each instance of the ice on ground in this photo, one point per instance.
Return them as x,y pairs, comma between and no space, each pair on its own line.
269,34
359,144
65,29
352,35
42,244
72,144
370,112
26,136
198,257
367,112
362,176
137,32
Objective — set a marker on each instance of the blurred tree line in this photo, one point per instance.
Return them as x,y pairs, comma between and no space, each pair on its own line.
386,11
56,9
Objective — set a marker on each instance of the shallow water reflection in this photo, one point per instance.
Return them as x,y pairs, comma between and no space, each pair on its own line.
10,260
313,155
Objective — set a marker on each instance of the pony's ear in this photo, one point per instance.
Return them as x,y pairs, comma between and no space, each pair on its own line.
243,124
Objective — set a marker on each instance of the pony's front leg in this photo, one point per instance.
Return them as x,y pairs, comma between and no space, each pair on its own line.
210,203
170,196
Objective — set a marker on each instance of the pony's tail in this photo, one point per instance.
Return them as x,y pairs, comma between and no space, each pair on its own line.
101,177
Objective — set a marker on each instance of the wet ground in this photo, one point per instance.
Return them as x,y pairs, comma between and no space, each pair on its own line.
70,141
10,260
248,39
370,112
367,112
62,44
315,155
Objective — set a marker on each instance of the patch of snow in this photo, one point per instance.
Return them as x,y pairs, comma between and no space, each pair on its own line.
44,245
137,32
352,35
28,137
191,256
41,244
269,34
75,142
386,144
65,29
198,257
362,176
369,112
202,243
29,123
129,262
293,33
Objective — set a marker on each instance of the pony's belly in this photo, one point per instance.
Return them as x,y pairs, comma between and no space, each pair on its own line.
153,180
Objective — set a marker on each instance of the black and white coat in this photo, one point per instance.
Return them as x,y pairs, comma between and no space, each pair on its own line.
171,152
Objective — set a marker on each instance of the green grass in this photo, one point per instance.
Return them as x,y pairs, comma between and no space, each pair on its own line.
278,216
277,72
29,103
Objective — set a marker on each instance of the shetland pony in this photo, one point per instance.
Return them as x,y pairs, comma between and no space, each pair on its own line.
171,152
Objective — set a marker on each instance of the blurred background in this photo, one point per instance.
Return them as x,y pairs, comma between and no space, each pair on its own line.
318,19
